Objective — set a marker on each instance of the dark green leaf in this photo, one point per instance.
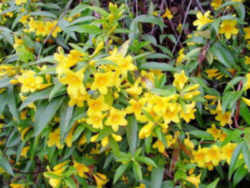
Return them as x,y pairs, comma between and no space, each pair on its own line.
119,171
156,177
132,133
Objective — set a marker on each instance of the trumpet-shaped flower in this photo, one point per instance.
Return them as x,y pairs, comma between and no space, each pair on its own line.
228,28
116,118
202,19
180,80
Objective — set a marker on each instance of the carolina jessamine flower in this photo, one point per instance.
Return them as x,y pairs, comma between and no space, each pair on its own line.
172,113
30,82
214,155
202,19
57,171
54,139
227,151
160,146
116,118
216,4
17,185
167,14
97,105
25,151
247,32
146,130
195,180
246,100
100,179
95,119
247,84
19,2
188,112
223,117
247,60
103,81
181,56
228,28
81,169
180,80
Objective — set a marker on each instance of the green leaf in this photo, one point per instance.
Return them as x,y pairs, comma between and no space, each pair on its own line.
12,103
44,114
234,159
158,66
223,55
70,183
65,117
147,161
43,13
4,163
214,183
58,89
3,101
244,112
240,9
137,170
229,99
132,133
239,175
201,134
156,177
119,171
5,82
44,94
246,154
85,28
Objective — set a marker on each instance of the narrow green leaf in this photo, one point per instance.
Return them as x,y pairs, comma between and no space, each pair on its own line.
12,103
132,133
239,175
119,171
4,163
158,66
44,94
156,178
85,28
65,117
44,114
147,161
234,159
214,183
246,154
137,170
5,82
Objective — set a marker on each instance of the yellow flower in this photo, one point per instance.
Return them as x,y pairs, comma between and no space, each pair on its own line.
141,186
103,81
180,80
228,28
214,73
167,14
247,32
100,179
160,146
30,82
116,118
54,139
246,100
202,19
25,151
57,170
247,60
247,84
16,185
81,169
200,157
181,56
216,4
146,130
75,89
69,137
188,113
82,140
97,105
19,2
172,113
227,151
223,117
214,155
95,119
195,180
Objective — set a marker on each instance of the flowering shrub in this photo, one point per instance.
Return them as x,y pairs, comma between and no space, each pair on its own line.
90,98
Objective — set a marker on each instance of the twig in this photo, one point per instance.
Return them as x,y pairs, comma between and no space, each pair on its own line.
53,29
237,112
199,5
183,23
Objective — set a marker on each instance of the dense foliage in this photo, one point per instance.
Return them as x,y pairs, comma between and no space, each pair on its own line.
124,94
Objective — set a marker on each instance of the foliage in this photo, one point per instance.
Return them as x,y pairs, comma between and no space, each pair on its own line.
95,95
